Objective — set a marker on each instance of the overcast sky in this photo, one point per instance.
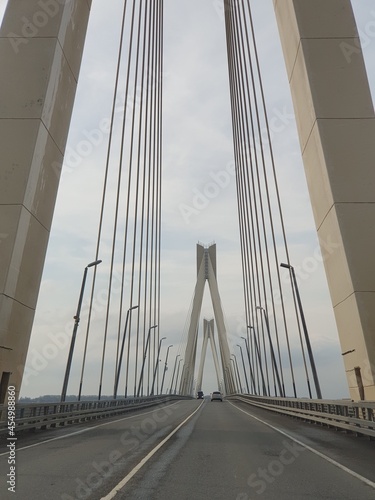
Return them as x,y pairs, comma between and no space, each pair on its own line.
197,144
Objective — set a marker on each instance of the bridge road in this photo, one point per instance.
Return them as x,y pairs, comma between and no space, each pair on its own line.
224,451
87,460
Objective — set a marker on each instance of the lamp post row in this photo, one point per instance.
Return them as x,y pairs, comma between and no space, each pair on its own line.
165,369
119,361
247,343
75,328
121,353
307,340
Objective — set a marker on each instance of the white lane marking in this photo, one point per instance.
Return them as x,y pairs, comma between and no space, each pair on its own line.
85,430
127,478
321,455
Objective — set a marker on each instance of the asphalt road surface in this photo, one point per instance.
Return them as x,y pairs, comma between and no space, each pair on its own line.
192,450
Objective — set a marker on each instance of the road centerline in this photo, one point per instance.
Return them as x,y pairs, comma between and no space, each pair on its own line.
132,473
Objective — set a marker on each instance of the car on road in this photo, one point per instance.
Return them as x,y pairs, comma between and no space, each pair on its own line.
200,395
216,396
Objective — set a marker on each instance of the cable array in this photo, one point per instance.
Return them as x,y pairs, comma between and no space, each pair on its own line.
129,228
261,224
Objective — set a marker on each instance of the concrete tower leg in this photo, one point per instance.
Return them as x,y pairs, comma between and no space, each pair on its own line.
41,45
203,355
208,335
336,125
214,353
218,312
189,359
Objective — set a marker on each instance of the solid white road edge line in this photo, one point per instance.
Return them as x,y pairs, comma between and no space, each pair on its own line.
86,429
127,478
328,459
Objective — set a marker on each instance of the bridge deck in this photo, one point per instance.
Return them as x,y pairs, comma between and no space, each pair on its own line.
224,451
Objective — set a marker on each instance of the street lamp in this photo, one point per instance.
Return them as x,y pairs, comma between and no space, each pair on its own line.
237,373
243,365
174,371
309,350
121,353
144,359
156,367
227,385
232,377
165,369
282,392
250,367
76,322
178,372
265,393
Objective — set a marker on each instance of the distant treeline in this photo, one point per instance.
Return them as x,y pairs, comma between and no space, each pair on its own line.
56,399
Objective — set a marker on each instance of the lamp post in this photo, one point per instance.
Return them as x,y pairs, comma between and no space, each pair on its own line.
265,393
165,369
243,365
174,371
250,367
282,392
228,381
236,371
307,339
225,380
122,352
178,372
75,328
156,367
144,359
227,384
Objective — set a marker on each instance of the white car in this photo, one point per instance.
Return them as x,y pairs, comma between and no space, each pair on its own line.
216,396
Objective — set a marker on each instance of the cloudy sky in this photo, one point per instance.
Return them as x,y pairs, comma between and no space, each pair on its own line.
197,144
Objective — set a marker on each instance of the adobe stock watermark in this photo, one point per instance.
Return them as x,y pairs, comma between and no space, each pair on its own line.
95,137
366,36
265,476
303,272
310,264
153,425
38,360
31,26
221,179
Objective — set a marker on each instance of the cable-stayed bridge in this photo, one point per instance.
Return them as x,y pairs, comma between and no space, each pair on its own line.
41,46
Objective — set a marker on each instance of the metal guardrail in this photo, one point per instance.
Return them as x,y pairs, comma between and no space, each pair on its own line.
357,417
44,415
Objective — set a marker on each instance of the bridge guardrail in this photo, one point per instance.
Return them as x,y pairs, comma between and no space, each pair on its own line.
43,415
354,416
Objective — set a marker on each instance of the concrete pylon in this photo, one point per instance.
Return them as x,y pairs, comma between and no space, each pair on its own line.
208,335
206,271
41,46
336,126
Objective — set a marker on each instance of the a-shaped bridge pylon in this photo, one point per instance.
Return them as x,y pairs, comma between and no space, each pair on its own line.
206,271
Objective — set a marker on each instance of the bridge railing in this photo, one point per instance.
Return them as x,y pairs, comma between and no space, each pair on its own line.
351,416
43,415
